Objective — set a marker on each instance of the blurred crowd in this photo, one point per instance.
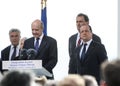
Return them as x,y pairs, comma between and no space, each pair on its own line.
109,77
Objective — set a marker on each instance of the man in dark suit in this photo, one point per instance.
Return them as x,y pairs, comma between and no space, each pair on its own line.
47,50
7,53
94,55
81,19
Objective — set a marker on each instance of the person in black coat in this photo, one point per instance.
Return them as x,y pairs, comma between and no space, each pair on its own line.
95,55
6,53
47,46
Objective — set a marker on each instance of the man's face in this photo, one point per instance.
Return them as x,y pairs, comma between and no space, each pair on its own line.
85,33
36,29
80,21
14,38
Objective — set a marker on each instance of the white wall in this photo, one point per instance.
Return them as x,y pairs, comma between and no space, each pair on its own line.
118,49
61,23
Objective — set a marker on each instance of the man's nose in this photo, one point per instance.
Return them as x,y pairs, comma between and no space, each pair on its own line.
33,31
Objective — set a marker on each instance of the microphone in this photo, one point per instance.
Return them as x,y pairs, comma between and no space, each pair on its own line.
23,54
31,53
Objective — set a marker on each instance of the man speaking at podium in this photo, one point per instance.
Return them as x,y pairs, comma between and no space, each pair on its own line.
45,46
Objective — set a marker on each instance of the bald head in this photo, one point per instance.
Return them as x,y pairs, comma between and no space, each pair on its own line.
37,28
72,80
38,22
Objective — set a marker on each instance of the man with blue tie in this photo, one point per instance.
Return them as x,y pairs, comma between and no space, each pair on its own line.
46,46
94,54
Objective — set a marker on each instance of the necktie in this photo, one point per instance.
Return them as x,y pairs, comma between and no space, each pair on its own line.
83,51
14,53
78,44
37,44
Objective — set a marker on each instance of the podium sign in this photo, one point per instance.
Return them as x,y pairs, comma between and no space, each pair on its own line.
22,64
33,65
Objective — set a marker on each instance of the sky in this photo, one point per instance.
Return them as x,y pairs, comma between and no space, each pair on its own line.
61,15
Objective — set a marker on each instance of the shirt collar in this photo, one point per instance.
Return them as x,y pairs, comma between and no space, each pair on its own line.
88,42
12,46
78,35
40,36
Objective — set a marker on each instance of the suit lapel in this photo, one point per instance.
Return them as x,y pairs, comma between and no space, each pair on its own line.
43,44
7,58
77,51
7,53
74,40
32,43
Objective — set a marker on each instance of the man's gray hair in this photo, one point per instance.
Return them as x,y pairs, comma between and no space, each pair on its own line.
14,30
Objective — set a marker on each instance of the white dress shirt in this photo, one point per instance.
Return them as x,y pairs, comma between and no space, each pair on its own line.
87,46
12,50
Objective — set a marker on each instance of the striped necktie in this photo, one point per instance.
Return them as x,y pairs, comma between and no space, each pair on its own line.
78,43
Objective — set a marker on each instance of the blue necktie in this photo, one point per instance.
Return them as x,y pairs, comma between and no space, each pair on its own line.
14,53
83,51
37,44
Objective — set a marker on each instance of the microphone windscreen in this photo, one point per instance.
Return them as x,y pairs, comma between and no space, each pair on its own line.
31,53
23,54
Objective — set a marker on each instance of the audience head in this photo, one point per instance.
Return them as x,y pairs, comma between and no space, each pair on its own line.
81,19
111,73
51,83
14,35
41,80
72,80
37,27
90,80
18,78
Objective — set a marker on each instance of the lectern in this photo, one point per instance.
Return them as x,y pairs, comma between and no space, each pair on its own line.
33,65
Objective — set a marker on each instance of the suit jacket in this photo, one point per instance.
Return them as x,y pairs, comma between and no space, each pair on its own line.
72,46
5,53
5,56
94,57
47,51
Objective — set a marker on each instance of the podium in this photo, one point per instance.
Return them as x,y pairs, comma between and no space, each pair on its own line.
41,72
29,65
